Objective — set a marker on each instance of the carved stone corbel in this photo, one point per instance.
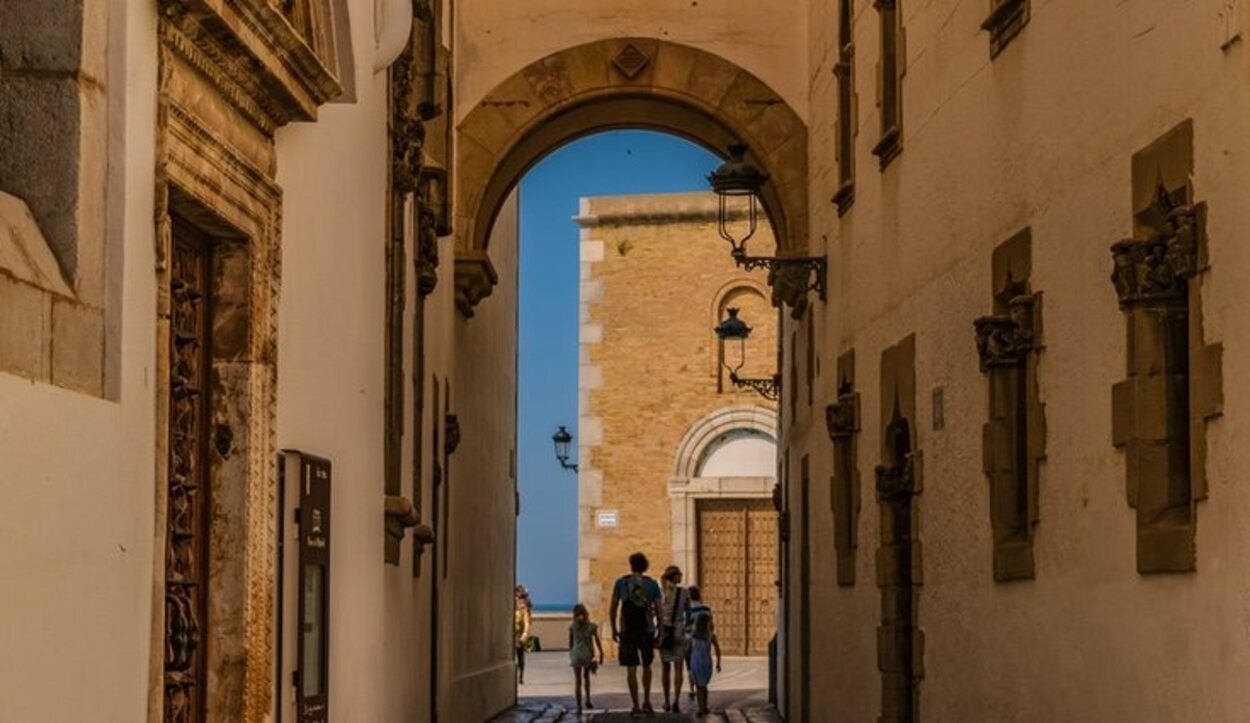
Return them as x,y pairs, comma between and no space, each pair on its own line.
475,280
1007,339
790,284
842,417
431,217
400,516
451,434
1153,271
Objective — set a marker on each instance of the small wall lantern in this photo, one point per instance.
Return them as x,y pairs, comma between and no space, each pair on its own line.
734,331
563,439
736,178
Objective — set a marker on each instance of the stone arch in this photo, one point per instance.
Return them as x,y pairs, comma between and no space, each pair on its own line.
703,433
686,488
731,288
627,83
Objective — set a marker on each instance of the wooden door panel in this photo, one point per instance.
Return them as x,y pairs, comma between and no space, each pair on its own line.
762,576
738,571
722,570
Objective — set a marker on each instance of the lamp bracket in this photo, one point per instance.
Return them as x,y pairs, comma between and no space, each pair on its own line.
767,387
807,273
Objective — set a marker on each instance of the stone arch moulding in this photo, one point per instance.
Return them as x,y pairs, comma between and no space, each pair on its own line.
686,488
622,83
703,433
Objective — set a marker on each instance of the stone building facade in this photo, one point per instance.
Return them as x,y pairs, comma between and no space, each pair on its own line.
667,441
1010,429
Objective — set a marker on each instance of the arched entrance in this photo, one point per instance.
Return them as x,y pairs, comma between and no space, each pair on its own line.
620,83
724,523
605,85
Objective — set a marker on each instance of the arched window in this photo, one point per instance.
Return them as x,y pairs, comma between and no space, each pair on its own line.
751,299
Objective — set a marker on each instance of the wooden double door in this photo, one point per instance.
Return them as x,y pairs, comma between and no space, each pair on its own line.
738,571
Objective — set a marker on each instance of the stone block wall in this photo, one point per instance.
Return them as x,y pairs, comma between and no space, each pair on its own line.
54,114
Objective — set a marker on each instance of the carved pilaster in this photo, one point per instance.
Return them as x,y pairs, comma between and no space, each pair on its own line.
842,423
1159,412
1013,437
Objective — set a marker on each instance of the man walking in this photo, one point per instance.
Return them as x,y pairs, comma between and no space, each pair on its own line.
637,598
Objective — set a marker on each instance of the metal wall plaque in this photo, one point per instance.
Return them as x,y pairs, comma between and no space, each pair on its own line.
607,519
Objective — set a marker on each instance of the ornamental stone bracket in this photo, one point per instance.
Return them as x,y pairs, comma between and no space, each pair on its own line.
402,515
1007,339
275,62
475,280
1153,271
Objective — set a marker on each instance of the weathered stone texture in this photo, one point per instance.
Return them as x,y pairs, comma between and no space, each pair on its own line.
25,329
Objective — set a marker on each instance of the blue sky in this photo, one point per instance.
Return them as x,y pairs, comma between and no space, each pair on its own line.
611,163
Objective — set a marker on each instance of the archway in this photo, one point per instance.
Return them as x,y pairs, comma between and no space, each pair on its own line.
622,83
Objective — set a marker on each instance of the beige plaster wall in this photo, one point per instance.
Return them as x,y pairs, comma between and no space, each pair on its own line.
76,477
495,38
1034,138
330,382
651,285
482,486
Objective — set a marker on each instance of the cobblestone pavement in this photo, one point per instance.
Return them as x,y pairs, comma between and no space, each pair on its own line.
538,712
738,695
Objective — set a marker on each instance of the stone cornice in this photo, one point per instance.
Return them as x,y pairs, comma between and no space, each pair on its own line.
646,217
252,53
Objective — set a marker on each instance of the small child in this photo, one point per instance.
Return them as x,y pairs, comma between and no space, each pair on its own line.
702,644
583,640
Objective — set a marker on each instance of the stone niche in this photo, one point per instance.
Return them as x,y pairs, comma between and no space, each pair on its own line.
53,168
842,421
900,642
1173,389
1014,437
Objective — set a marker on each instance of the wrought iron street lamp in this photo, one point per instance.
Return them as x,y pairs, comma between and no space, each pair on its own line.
563,440
739,178
733,331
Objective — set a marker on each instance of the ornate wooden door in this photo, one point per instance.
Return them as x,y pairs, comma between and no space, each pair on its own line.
738,571
186,527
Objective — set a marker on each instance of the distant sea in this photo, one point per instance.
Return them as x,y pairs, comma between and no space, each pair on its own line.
550,608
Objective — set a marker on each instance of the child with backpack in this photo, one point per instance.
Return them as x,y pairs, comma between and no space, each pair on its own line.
583,640
703,643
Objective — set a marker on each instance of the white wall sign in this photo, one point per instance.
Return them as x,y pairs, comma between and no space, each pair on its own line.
607,518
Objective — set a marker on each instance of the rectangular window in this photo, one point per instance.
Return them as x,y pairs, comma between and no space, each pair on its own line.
1007,18
891,68
844,70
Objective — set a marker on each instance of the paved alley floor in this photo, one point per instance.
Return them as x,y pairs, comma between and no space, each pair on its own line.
738,694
